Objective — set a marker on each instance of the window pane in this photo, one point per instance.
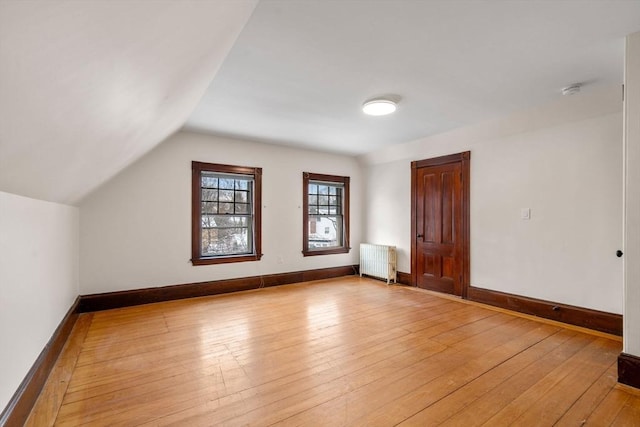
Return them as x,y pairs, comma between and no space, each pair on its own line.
313,200
209,207
226,195
242,197
225,208
323,200
242,208
209,182
325,232
231,221
323,189
208,221
226,241
209,195
242,184
333,200
313,188
313,209
226,183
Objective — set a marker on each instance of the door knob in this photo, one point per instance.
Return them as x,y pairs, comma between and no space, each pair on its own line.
420,235
618,253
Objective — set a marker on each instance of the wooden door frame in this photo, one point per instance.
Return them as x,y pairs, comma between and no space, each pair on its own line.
464,159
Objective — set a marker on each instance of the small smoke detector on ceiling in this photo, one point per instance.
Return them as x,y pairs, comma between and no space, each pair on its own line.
573,89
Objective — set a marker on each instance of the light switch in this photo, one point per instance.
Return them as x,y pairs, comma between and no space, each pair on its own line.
525,213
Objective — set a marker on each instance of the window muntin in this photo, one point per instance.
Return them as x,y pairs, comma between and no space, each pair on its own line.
226,213
326,214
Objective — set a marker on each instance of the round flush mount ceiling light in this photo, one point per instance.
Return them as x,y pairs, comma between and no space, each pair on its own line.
379,106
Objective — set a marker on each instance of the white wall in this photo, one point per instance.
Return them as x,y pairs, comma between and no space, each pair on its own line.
564,162
38,281
631,331
135,231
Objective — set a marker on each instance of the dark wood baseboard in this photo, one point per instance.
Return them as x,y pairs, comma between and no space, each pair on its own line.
404,278
111,300
629,370
593,319
19,407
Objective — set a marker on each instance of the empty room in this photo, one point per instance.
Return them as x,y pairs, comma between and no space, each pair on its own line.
320,213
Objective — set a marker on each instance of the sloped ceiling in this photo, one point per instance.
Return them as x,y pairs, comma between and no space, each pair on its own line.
301,70
88,87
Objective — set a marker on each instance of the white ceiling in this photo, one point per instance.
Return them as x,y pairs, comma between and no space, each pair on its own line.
88,87
300,71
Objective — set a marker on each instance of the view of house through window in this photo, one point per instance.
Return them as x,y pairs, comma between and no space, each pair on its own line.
225,220
325,214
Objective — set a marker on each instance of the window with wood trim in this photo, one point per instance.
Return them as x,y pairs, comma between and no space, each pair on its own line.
325,214
226,214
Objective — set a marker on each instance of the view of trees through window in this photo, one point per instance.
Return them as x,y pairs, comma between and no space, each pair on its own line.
226,213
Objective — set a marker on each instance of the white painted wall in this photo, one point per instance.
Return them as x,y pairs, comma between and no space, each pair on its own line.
38,281
135,231
564,161
631,331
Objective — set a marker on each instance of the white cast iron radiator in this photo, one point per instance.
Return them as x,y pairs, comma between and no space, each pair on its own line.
378,261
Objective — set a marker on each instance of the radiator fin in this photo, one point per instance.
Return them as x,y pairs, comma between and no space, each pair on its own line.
378,261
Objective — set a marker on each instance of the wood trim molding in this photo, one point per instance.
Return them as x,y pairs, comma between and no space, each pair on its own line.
196,223
133,297
629,370
17,410
346,244
404,278
593,319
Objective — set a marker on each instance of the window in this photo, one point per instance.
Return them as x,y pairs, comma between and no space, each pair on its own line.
226,218
325,214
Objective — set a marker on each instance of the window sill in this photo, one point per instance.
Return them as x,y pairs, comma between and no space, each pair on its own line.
226,259
326,251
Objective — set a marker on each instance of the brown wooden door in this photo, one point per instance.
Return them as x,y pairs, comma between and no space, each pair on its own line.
439,226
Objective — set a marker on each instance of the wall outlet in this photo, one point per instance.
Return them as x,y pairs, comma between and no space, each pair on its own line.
525,213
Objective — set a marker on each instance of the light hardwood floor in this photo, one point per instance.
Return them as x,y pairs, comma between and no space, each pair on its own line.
347,351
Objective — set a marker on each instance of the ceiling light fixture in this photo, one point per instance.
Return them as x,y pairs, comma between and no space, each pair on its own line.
379,106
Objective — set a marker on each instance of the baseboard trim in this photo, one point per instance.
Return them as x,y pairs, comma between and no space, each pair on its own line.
404,278
109,300
629,370
593,319
19,407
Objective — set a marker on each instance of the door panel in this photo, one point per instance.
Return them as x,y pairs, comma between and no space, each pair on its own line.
439,228
429,223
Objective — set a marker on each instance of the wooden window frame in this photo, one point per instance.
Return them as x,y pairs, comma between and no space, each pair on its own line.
344,180
196,213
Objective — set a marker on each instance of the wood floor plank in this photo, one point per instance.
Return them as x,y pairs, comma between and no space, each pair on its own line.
391,410
580,366
592,397
346,351
48,404
391,384
629,415
606,413
480,410
458,400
